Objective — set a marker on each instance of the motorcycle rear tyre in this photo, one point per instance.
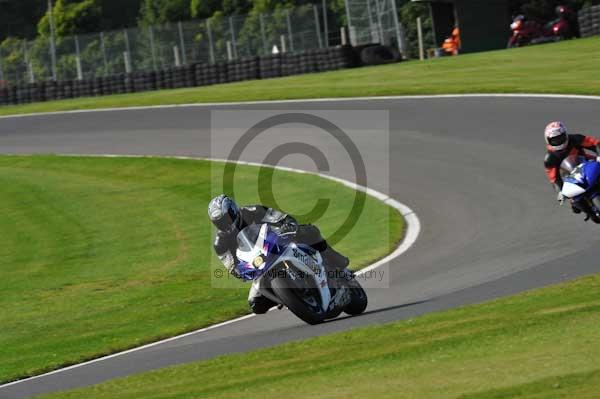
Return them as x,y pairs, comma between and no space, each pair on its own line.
359,301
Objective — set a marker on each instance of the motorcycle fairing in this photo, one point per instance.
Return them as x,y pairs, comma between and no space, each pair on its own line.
259,248
583,177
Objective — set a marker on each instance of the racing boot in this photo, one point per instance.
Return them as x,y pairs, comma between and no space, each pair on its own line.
334,260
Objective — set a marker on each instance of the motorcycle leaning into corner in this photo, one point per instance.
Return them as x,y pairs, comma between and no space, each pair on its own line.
293,274
582,187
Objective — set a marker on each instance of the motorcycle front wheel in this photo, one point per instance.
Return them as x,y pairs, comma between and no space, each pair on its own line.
303,302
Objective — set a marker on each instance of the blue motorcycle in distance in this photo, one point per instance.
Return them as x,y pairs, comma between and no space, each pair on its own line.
582,187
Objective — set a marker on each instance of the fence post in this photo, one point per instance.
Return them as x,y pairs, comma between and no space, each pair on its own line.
176,56
229,51
420,34
317,25
325,22
379,12
28,63
289,27
372,30
349,23
153,49
233,42
78,59
127,59
103,48
283,46
52,43
262,33
399,32
182,43
210,42
343,36
1,68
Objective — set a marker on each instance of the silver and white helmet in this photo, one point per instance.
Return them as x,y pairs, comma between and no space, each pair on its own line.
223,212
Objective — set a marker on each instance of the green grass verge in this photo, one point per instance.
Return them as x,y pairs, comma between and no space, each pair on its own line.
569,67
543,344
102,254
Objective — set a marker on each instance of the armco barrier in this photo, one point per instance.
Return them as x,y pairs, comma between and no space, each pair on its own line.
589,21
265,67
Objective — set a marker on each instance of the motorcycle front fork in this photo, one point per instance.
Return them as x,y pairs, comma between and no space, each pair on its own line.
591,208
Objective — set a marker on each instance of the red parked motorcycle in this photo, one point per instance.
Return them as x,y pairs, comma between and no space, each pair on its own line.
531,32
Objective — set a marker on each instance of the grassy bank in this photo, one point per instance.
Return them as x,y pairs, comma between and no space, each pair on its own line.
102,254
540,344
569,67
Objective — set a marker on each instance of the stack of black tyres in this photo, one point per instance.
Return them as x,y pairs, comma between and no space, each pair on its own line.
243,69
307,62
22,94
205,75
270,66
50,91
97,84
139,81
589,21
188,76
168,75
290,64
178,77
3,96
67,89
12,95
118,83
161,80
321,57
202,74
222,72
377,54
235,71
346,57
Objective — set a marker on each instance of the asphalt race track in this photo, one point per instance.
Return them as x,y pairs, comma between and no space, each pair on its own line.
470,167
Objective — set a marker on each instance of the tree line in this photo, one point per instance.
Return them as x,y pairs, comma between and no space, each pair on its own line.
27,18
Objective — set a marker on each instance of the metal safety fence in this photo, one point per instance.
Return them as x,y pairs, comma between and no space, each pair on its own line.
154,48
375,21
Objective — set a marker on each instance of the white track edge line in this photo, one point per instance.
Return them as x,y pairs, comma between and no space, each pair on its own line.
308,100
411,233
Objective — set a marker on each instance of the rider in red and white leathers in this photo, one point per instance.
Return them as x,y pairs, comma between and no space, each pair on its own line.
560,145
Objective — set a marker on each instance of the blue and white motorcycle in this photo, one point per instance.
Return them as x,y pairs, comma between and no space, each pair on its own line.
293,274
582,187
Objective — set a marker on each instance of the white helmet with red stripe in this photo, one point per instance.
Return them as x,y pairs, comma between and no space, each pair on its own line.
556,136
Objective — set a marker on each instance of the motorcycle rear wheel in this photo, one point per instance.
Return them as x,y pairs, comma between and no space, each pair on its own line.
359,300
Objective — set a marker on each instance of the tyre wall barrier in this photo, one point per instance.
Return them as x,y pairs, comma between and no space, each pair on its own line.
250,68
589,21
377,55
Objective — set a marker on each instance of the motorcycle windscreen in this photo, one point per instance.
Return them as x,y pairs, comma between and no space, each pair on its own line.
570,163
572,190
